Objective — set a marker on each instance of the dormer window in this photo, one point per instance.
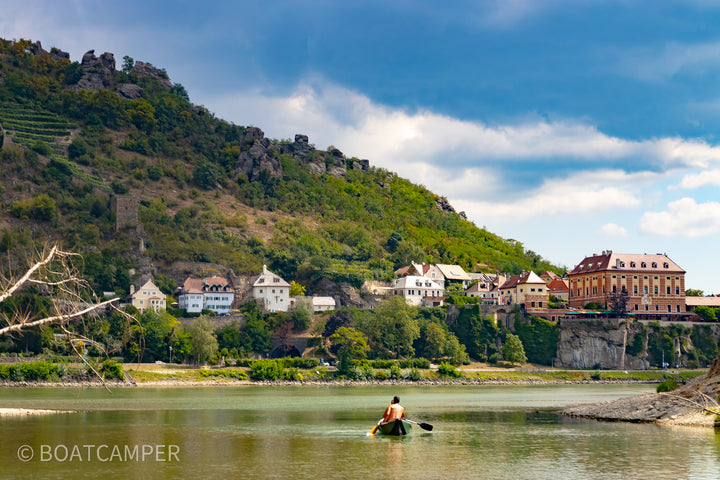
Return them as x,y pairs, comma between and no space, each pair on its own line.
622,264
666,265
643,265
654,264
632,265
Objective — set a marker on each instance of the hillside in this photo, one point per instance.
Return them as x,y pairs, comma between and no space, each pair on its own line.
79,136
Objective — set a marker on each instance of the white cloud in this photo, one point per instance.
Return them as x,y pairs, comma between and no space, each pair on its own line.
613,230
700,179
683,218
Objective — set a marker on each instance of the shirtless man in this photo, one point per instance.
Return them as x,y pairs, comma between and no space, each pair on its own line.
393,411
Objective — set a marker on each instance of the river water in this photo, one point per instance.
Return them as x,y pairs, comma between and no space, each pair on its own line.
480,432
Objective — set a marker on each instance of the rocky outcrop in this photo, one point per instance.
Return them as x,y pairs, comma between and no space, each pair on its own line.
129,91
257,160
597,344
98,72
442,204
142,69
693,404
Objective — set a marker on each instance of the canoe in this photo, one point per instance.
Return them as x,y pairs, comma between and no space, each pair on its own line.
396,427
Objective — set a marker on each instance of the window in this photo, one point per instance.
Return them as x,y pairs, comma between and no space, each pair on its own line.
645,289
677,290
654,265
657,307
678,308
634,277
614,289
656,290
647,307
643,265
669,310
632,264
667,290
635,289
666,265
636,306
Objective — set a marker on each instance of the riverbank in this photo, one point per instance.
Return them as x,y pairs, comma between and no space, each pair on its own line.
692,404
153,375
23,412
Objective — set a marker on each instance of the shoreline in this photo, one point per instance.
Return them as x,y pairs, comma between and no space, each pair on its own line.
319,383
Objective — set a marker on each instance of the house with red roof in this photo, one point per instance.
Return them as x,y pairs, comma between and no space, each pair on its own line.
655,285
211,293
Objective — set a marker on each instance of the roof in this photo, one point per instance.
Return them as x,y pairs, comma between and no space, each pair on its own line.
558,285
523,278
628,262
414,281
268,278
323,301
197,285
707,301
453,272
549,276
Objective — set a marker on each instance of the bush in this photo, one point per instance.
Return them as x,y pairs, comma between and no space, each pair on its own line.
110,369
666,386
381,375
415,374
395,372
447,370
266,370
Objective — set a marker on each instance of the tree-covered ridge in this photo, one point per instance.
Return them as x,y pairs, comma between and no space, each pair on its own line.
210,191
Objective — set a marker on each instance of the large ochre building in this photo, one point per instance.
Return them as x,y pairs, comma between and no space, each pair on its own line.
655,285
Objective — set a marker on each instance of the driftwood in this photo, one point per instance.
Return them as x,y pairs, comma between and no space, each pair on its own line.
695,403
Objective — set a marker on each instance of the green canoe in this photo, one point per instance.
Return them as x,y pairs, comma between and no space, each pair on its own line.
396,427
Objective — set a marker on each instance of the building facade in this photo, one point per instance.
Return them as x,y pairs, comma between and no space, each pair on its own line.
147,296
527,290
271,292
418,291
212,293
655,285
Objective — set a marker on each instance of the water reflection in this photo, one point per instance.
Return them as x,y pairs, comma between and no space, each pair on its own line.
259,433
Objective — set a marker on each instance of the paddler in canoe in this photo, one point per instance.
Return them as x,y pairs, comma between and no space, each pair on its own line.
393,420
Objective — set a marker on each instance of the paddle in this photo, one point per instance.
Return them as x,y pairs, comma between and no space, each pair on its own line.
424,426
374,429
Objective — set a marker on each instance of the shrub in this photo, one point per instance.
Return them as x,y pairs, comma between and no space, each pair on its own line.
447,370
266,370
381,375
395,372
110,369
666,386
415,374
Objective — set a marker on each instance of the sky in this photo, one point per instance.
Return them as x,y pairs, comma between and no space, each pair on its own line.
571,126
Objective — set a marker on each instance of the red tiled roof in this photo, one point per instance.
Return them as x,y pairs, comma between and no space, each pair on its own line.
658,262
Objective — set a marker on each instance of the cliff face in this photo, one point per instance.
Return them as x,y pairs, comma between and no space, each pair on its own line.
598,343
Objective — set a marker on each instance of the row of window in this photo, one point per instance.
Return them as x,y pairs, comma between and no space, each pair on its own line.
657,308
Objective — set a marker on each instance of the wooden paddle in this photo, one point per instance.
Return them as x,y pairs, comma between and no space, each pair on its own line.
374,429
424,426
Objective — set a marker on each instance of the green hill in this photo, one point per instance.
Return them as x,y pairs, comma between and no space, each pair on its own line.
78,135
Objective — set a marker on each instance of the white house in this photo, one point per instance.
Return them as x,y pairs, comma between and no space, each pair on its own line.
212,293
418,291
322,304
271,292
147,296
454,273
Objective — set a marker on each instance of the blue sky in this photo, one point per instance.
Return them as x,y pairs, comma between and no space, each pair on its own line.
572,126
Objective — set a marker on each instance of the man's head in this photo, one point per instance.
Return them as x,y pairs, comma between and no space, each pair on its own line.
396,399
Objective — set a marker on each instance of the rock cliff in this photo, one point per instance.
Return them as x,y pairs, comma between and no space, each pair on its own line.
598,344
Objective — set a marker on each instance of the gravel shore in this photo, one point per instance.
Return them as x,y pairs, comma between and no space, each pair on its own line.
693,404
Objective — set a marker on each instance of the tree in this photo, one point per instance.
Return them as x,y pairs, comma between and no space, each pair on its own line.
690,292
393,327
296,290
57,272
128,64
618,302
203,343
513,350
352,345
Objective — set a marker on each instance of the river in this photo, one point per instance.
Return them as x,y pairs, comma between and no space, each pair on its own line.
480,432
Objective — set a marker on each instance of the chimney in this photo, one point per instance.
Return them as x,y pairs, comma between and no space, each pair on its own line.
265,270
132,288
